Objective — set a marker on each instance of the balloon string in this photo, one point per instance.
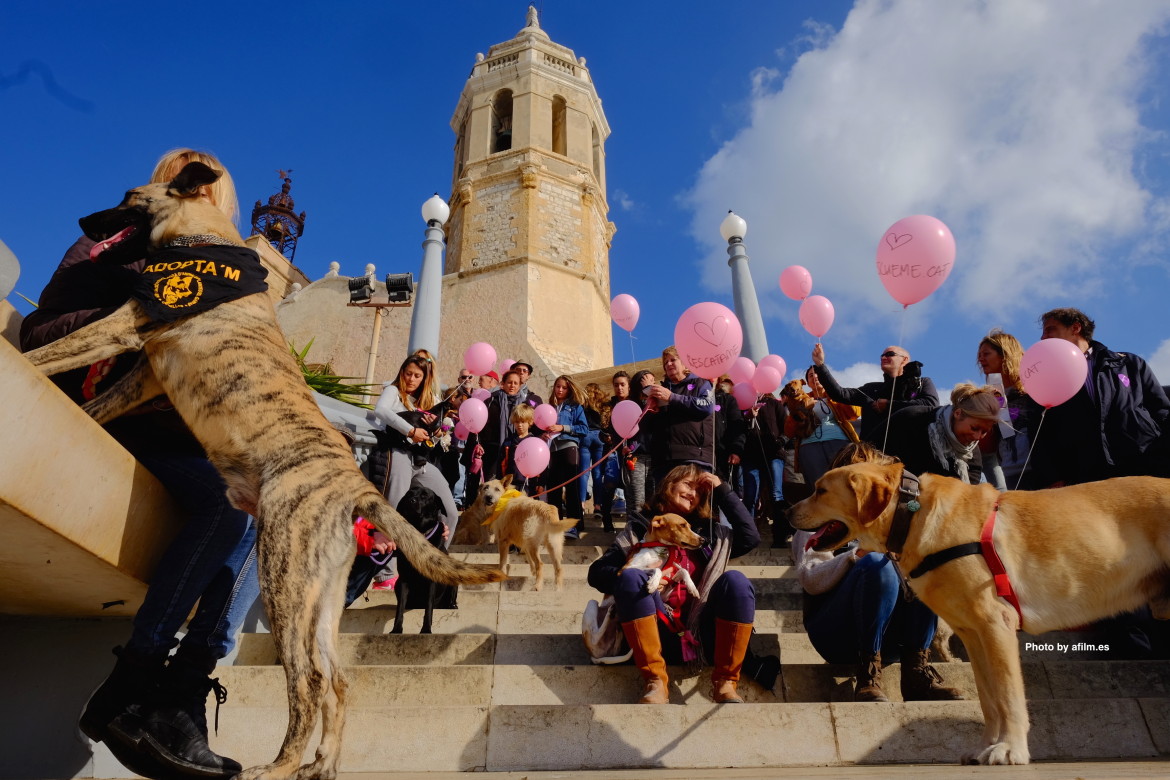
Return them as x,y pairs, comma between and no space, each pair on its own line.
1031,447
632,358
577,476
890,408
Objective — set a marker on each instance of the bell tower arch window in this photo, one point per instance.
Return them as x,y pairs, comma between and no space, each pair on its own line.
560,137
502,121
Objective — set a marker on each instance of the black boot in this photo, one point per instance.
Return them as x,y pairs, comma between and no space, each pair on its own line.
132,683
607,523
781,530
173,729
764,669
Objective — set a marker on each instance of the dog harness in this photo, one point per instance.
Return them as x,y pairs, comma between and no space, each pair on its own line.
674,599
900,529
501,505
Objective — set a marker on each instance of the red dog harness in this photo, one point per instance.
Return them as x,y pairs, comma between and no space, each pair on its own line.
675,597
984,547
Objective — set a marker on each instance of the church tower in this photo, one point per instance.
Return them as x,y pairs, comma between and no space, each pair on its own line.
527,266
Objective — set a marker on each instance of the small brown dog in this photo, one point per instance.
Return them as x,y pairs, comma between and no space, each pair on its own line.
801,421
658,553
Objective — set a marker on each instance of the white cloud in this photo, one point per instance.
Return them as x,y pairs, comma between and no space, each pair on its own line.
1014,121
1160,363
624,201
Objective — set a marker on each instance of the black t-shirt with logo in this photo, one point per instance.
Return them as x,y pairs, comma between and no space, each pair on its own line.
181,281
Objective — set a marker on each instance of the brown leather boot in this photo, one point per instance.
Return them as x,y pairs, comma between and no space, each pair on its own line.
642,634
869,679
922,682
731,642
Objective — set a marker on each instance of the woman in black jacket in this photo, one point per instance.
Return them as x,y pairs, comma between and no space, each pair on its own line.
946,440
669,623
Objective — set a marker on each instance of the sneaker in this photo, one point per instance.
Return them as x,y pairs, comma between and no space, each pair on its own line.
387,584
572,534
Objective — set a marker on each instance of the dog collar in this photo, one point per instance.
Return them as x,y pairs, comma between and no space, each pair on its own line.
200,239
907,505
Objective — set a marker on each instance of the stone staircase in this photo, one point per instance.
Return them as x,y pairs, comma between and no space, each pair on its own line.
505,685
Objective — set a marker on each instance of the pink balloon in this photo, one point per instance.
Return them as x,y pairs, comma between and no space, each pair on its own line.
505,365
473,413
1052,371
796,282
461,432
766,379
624,310
531,457
708,337
625,418
745,395
544,416
776,362
479,357
914,257
816,315
741,370
481,394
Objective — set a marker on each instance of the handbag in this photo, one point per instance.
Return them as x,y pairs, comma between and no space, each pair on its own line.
566,451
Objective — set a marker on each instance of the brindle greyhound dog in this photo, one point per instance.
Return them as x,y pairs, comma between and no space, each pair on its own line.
227,370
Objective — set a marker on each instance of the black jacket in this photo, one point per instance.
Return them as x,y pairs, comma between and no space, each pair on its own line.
910,442
1120,430
681,429
908,392
764,441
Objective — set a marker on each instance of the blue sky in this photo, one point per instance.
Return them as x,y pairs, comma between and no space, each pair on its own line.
1035,129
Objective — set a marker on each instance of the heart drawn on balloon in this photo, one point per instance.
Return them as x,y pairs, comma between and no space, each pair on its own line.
712,334
893,241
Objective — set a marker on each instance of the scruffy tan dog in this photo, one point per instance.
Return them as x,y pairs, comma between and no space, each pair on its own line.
228,372
530,524
1074,555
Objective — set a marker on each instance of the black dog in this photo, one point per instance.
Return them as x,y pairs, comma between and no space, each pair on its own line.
423,510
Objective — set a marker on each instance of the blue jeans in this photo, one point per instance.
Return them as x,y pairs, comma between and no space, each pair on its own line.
591,451
866,613
773,480
732,598
212,561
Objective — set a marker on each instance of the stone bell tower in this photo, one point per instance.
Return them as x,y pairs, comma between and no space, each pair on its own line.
527,265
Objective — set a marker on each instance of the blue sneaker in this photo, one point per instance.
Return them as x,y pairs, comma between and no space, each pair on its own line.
572,534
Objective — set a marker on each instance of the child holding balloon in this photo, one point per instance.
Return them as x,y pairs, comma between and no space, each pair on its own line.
521,420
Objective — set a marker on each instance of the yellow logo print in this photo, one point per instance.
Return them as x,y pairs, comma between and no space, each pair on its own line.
178,291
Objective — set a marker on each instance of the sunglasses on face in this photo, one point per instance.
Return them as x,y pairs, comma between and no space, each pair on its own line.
890,354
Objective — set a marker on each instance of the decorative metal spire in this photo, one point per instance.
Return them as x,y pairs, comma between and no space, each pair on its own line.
278,222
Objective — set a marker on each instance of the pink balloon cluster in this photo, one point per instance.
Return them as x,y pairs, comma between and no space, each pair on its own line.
914,257
709,338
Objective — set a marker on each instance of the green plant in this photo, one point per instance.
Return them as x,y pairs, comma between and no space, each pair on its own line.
320,377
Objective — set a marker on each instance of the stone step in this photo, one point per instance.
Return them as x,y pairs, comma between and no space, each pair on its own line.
765,579
571,684
582,553
427,737
562,616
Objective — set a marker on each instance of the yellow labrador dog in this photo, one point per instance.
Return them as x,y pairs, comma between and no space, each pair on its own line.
1073,555
228,372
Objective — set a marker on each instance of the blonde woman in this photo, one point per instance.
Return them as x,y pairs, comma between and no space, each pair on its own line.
946,440
565,438
151,711
1006,450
